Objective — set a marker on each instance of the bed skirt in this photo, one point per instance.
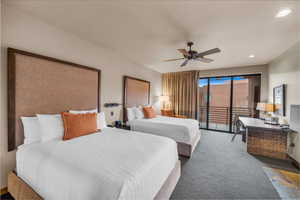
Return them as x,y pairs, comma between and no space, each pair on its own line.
20,190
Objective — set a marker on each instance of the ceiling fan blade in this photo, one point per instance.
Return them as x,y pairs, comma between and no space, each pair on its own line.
205,60
173,59
211,51
184,63
184,52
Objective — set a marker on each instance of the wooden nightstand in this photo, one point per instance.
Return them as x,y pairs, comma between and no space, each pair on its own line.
170,113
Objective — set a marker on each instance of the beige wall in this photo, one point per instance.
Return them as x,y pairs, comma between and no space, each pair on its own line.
257,69
286,70
22,31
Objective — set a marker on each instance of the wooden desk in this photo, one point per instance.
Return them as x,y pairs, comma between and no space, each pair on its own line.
264,139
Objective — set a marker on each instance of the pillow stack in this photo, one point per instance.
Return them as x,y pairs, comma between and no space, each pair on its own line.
68,125
140,113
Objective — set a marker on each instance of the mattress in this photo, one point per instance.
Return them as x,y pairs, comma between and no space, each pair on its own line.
111,164
179,129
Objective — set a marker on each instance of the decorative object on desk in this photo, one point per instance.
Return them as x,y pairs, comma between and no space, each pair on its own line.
272,120
266,108
279,99
165,100
108,105
285,126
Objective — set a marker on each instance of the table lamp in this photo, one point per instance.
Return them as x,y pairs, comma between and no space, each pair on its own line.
164,99
267,108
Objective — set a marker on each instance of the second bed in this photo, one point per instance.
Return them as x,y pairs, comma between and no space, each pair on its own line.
184,131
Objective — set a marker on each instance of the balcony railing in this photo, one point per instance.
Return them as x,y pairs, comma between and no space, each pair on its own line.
220,116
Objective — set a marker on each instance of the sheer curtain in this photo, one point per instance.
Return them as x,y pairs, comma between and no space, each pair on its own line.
182,88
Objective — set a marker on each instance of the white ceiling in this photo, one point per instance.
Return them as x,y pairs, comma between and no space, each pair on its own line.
148,32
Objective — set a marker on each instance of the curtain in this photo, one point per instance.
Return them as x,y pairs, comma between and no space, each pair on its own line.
182,89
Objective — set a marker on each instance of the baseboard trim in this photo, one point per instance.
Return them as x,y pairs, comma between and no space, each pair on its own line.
3,191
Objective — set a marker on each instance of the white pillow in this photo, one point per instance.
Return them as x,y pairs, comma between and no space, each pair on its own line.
139,113
130,113
101,122
32,130
52,127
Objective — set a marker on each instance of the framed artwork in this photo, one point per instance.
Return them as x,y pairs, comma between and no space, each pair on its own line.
279,99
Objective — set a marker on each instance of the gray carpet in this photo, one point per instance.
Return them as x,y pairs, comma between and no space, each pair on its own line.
221,169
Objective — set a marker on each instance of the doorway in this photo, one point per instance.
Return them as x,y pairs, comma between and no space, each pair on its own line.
221,99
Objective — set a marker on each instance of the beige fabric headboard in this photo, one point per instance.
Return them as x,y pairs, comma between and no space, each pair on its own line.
136,93
40,84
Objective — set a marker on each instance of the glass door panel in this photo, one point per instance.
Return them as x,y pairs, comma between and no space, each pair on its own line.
223,99
246,95
219,103
203,98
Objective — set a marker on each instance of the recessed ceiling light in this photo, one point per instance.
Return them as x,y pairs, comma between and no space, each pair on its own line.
251,56
283,12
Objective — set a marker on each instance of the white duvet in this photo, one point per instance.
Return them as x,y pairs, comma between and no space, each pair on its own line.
112,164
179,129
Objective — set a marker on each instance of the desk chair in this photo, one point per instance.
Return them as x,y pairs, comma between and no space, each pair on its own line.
239,129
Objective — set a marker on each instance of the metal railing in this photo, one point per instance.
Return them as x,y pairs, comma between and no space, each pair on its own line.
221,115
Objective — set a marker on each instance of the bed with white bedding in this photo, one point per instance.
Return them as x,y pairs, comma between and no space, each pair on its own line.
111,164
184,131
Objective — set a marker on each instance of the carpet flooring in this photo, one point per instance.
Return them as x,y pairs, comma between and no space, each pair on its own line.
221,169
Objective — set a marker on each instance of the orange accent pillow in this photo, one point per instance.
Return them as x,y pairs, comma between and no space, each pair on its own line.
77,125
149,112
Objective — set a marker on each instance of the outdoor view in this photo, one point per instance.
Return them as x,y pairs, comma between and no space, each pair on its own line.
221,96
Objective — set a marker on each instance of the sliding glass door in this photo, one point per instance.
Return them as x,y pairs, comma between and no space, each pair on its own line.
203,100
222,99
219,104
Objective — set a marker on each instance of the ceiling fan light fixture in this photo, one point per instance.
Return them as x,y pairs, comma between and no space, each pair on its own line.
193,55
283,12
251,56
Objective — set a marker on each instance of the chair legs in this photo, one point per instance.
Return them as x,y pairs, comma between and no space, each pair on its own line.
232,139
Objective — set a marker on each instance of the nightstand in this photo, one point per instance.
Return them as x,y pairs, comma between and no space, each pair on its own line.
166,112
170,113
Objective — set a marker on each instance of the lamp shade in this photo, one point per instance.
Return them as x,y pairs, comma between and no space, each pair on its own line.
266,107
270,107
164,98
261,106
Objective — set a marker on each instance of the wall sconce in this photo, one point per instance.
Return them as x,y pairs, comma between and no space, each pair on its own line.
109,105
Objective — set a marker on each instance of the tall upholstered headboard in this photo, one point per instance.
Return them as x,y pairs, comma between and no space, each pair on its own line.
136,92
40,84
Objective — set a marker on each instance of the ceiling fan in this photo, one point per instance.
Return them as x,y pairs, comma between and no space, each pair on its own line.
194,55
